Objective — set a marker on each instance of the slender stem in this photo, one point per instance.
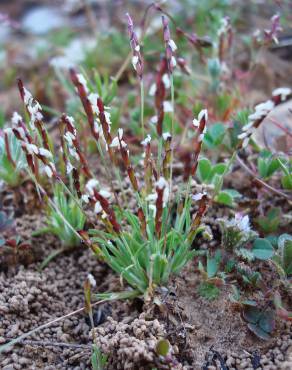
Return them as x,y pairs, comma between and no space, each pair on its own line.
122,68
172,129
264,184
53,205
142,107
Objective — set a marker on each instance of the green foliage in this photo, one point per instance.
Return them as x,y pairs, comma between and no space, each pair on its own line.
208,173
144,261
271,221
213,174
283,256
240,120
213,264
208,290
214,136
71,213
260,322
267,164
98,359
227,197
262,249
286,167
10,172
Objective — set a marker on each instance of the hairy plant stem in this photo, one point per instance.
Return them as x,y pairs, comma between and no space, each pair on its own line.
142,107
172,130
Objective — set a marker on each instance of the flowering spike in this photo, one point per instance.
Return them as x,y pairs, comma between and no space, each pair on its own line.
200,124
137,59
107,209
162,195
167,157
80,84
272,34
170,46
70,135
160,93
203,204
147,164
225,35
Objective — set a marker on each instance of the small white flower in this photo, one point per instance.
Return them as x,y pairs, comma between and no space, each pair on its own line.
167,106
82,81
242,222
137,48
152,90
97,207
196,123
97,127
166,80
32,149
283,92
151,197
173,61
90,185
243,135
74,154
120,133
16,118
152,208
69,137
69,168
71,120
248,126
166,136
115,142
265,107
27,97
93,101
21,132
255,116
124,145
46,153
104,193
203,114
154,120
108,118
172,45
201,137
245,142
91,280
48,171
135,60
146,141
163,184
198,196
85,198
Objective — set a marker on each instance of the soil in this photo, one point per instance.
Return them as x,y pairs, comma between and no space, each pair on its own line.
126,331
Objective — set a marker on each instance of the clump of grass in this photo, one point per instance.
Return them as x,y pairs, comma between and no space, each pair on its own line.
156,237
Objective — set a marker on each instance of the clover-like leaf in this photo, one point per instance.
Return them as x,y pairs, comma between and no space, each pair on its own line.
262,249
